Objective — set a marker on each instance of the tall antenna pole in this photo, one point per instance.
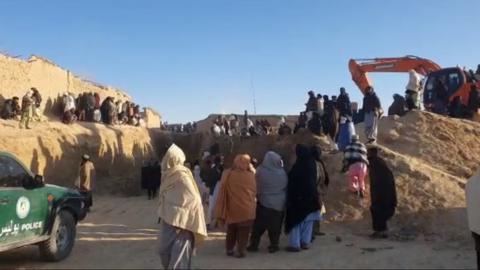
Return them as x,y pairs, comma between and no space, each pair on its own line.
253,92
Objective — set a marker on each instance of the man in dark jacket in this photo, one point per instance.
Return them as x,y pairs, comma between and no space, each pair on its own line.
11,108
213,177
315,124
383,193
343,103
312,102
331,119
398,106
301,123
322,184
373,111
456,108
90,107
473,101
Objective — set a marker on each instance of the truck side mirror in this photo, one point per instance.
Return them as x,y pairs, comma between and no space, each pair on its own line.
32,182
38,179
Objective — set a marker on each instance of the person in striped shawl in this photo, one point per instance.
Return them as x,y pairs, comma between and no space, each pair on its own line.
355,159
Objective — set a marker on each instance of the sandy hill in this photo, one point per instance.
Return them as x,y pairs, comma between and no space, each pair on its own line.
53,149
431,157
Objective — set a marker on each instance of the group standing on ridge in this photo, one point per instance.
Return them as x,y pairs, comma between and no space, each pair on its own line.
86,107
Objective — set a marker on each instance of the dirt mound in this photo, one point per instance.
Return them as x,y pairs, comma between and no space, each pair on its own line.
431,157
53,149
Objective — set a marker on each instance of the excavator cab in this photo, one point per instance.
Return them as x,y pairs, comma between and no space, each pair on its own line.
453,81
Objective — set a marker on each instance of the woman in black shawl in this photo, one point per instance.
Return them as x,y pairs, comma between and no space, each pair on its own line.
302,200
383,193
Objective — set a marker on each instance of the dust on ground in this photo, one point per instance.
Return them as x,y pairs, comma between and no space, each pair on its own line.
122,233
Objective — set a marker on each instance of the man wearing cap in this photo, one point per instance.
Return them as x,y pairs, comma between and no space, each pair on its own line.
86,177
355,159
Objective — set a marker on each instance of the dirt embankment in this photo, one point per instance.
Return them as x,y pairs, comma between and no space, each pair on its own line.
53,149
431,157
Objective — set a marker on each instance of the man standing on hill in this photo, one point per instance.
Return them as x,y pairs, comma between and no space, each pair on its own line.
473,204
373,111
37,101
383,193
343,103
86,180
412,89
27,110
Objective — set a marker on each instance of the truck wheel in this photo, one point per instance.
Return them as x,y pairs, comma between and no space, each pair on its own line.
62,238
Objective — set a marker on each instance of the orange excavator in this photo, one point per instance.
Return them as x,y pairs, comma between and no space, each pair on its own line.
457,81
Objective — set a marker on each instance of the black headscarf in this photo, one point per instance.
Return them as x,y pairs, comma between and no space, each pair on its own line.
302,195
322,175
382,184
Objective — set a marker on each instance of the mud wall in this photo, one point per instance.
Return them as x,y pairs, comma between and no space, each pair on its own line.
55,152
17,76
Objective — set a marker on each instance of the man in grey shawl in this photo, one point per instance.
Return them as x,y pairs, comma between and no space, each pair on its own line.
272,183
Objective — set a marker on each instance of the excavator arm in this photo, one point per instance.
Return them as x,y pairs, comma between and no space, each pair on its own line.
360,67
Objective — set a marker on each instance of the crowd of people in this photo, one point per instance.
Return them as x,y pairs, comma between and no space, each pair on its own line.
188,128
233,126
86,106
335,117
28,111
250,199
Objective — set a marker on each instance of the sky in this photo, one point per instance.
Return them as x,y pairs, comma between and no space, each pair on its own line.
188,59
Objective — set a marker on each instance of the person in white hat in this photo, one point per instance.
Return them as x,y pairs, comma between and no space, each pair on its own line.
86,180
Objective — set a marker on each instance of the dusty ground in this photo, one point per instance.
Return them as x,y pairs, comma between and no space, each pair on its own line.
121,233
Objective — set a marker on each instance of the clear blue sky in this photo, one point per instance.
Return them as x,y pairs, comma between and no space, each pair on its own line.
187,59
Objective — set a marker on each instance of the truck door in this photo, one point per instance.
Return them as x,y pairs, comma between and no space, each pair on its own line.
23,211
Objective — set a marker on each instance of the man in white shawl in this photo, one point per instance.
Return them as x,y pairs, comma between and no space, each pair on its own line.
473,210
180,211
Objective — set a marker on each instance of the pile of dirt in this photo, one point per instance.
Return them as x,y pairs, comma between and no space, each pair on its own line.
53,150
431,157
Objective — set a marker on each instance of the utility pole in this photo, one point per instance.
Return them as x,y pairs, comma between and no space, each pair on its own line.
253,92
